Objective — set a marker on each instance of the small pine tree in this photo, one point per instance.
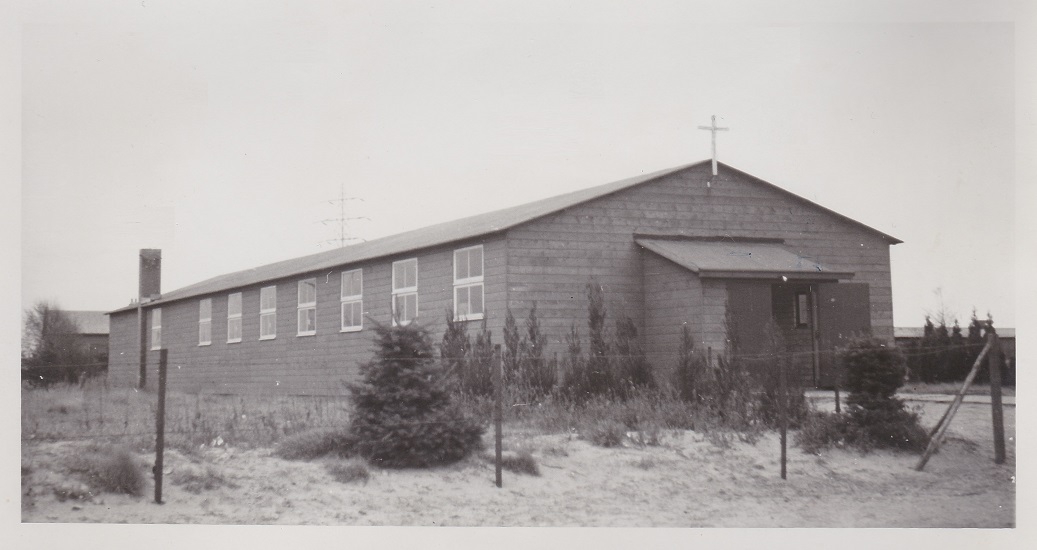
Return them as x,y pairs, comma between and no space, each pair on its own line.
512,347
404,416
959,356
874,373
539,375
575,366
634,369
690,368
454,350
600,378
942,342
480,368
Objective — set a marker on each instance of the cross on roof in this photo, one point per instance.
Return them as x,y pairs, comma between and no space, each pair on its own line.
713,128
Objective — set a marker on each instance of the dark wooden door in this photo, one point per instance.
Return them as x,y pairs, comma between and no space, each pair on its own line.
749,304
843,312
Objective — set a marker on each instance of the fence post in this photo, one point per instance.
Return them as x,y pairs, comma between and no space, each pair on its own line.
160,424
498,411
783,408
996,408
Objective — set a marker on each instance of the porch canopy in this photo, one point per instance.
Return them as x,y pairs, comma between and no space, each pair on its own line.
730,259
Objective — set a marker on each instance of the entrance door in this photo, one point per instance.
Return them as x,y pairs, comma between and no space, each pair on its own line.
843,311
749,304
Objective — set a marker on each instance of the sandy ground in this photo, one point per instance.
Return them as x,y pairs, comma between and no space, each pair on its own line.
688,480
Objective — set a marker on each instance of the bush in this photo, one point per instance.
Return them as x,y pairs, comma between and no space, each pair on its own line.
604,433
521,462
316,443
112,470
874,372
195,479
348,471
821,431
404,415
875,417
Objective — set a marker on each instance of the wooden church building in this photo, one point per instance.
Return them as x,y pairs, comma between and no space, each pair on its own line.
676,247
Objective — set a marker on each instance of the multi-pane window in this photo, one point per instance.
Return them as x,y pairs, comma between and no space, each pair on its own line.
352,300
468,283
205,322
267,312
802,310
234,318
308,307
156,328
405,291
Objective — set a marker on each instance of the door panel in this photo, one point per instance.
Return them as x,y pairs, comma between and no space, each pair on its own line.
750,306
843,312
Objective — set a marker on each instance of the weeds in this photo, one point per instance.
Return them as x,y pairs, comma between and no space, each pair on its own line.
521,462
113,470
195,479
348,471
315,444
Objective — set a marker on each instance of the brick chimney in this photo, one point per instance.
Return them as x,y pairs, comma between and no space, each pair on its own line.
150,273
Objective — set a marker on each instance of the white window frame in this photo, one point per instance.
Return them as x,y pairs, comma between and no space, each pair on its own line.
205,322
156,328
268,312
403,292
351,300
306,306
234,318
469,283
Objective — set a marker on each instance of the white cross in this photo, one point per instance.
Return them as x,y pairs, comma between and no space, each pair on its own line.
714,129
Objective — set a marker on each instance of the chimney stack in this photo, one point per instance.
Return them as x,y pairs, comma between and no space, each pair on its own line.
150,273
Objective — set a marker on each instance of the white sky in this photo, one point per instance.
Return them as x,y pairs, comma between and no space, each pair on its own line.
219,131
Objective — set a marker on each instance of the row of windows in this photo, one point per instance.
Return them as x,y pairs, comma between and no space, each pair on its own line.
468,301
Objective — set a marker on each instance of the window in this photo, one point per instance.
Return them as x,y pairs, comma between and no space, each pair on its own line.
234,318
156,328
802,310
308,307
205,322
468,283
352,300
267,312
404,291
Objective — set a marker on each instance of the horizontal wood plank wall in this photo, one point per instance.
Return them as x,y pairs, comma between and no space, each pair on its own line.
320,364
551,259
673,298
123,354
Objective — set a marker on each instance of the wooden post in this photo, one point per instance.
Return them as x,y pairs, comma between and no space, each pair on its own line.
160,424
996,408
936,434
783,408
498,412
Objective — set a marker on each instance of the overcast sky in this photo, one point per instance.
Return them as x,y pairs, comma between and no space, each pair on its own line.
220,131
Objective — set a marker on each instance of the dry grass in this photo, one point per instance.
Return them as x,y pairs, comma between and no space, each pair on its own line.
350,470
97,412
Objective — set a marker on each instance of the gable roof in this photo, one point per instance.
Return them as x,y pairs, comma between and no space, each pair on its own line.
448,232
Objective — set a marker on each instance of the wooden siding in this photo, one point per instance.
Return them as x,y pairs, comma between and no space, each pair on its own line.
123,349
551,259
319,364
673,299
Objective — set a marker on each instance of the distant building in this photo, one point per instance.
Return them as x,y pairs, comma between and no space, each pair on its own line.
92,331
678,247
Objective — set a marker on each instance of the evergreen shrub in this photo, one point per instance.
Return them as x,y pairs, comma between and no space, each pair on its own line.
404,414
